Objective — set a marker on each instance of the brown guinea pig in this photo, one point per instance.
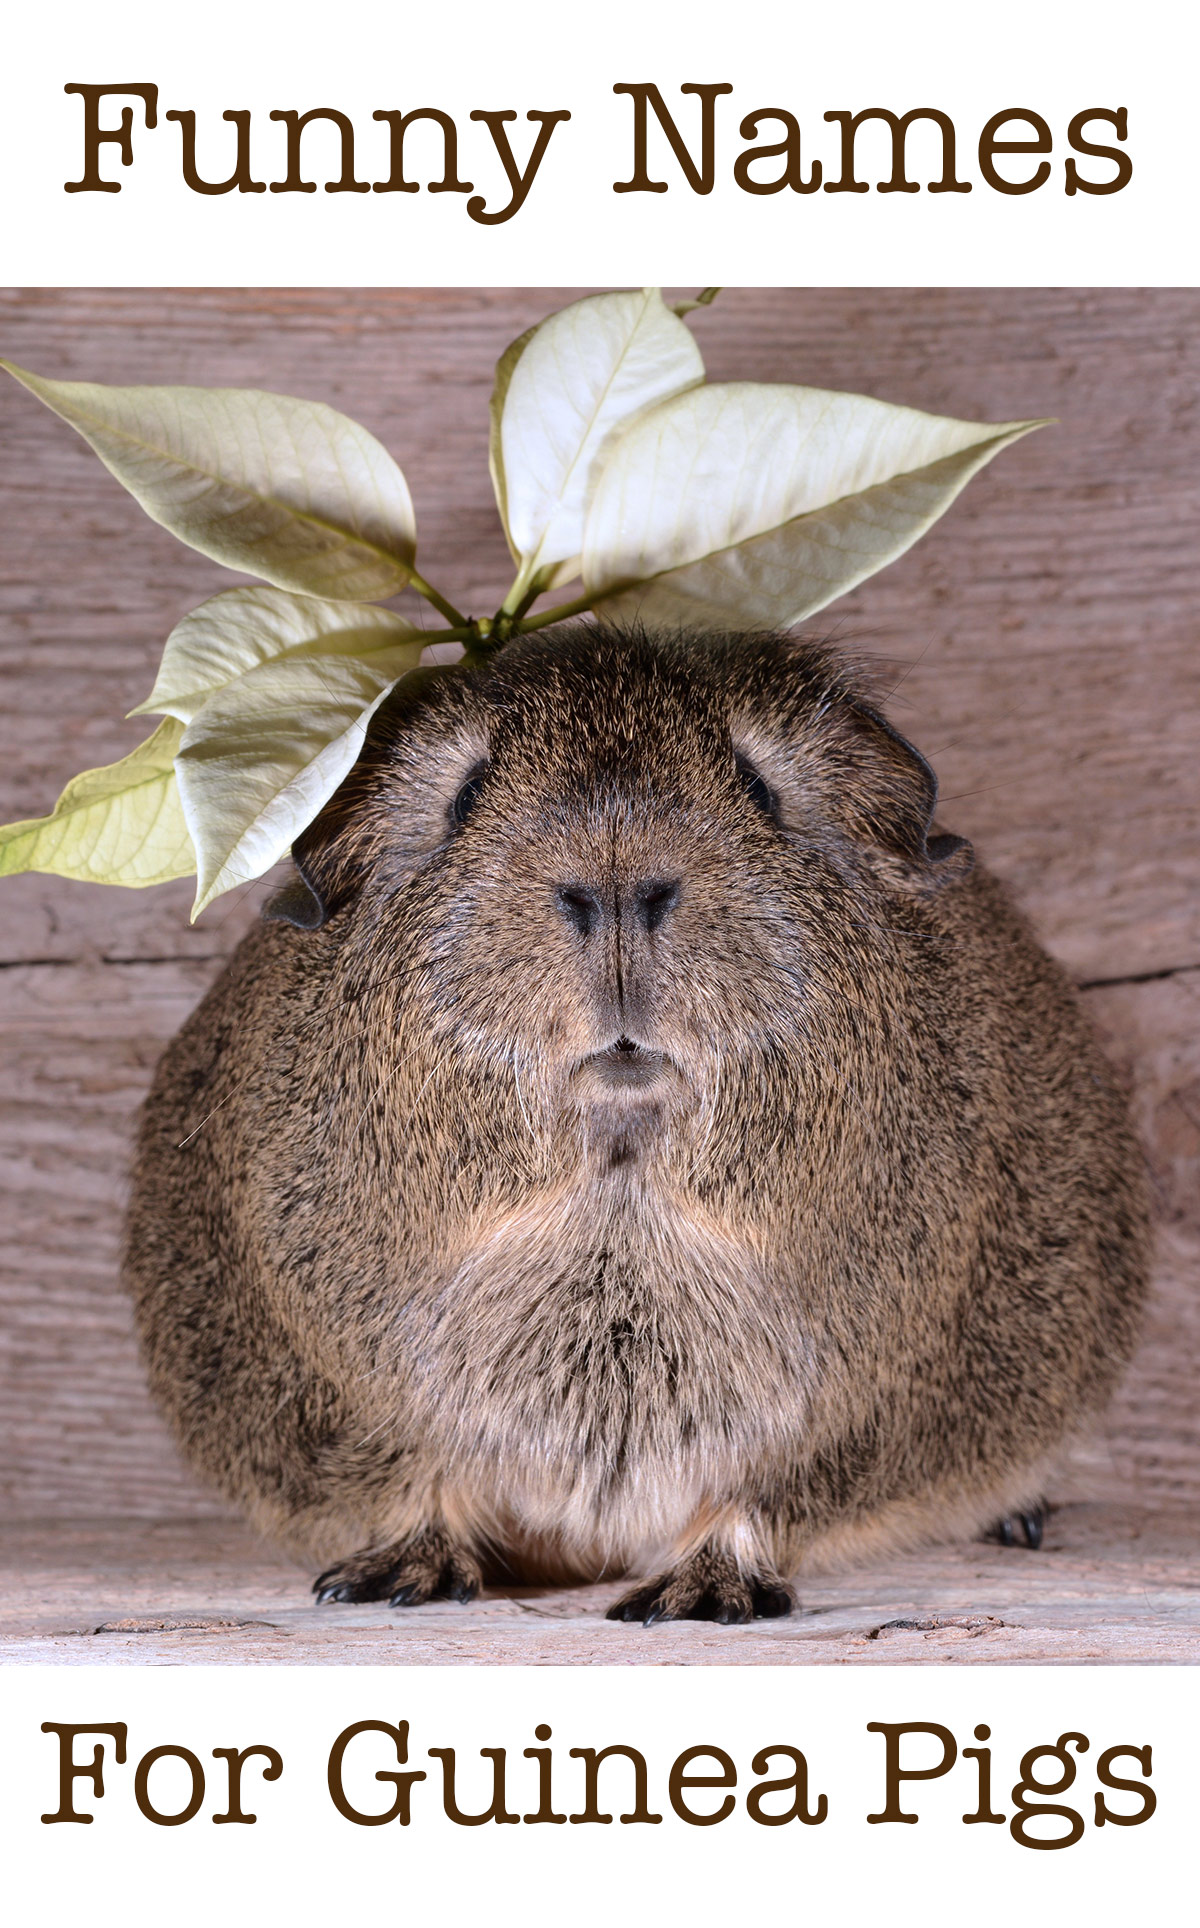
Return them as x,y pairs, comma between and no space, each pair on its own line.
639,1142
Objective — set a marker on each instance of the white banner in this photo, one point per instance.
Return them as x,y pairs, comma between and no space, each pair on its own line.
914,1795
532,143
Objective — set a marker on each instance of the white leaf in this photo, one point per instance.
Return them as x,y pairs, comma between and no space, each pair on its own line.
241,628
500,387
558,403
263,755
118,825
745,504
284,489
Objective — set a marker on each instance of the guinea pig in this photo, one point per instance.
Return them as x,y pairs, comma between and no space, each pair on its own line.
638,1141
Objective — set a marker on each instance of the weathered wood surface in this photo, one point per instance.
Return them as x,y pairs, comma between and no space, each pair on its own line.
1047,636
1110,1585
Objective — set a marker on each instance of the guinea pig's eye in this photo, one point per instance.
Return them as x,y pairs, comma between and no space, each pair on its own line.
756,787
468,795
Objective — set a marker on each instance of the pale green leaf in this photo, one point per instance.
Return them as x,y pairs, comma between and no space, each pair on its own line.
118,825
503,376
241,628
745,504
264,754
284,489
569,388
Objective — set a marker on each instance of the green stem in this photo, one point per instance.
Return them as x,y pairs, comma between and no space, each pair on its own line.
703,300
462,633
426,589
559,615
517,610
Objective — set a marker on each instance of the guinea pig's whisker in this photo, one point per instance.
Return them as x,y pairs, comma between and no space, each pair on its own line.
219,1106
984,789
375,1431
359,1122
898,930
903,678
382,980
373,1372
380,1088
718,1076
968,736
441,1065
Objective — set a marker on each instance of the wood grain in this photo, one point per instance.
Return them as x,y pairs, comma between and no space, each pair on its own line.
1043,637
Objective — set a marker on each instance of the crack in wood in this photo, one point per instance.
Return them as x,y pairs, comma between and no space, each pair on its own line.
1138,977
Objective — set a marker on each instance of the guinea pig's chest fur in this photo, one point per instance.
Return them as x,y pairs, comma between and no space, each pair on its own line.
601,1366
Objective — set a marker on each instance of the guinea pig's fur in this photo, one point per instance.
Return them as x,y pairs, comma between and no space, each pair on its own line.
663,1151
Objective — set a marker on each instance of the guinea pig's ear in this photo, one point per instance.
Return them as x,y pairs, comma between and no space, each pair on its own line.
894,791
950,857
300,902
326,858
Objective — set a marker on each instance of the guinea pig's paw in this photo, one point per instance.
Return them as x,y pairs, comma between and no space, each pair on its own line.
427,1565
708,1585
1021,1529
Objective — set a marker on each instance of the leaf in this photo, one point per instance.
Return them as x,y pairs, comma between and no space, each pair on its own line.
500,387
283,489
264,754
745,504
242,628
118,825
562,393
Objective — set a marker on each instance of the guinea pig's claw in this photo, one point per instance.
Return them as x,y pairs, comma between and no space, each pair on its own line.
644,1605
427,1565
772,1603
707,1586
1032,1527
452,1581
326,1591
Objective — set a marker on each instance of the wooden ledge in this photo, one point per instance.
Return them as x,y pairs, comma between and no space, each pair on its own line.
1110,1585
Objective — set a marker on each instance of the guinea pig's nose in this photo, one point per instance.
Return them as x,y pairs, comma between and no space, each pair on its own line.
647,903
653,901
580,906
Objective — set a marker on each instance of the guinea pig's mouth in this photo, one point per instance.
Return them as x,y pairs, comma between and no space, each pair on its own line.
625,1066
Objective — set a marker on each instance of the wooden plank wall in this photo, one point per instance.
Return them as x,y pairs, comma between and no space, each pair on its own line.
1046,632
